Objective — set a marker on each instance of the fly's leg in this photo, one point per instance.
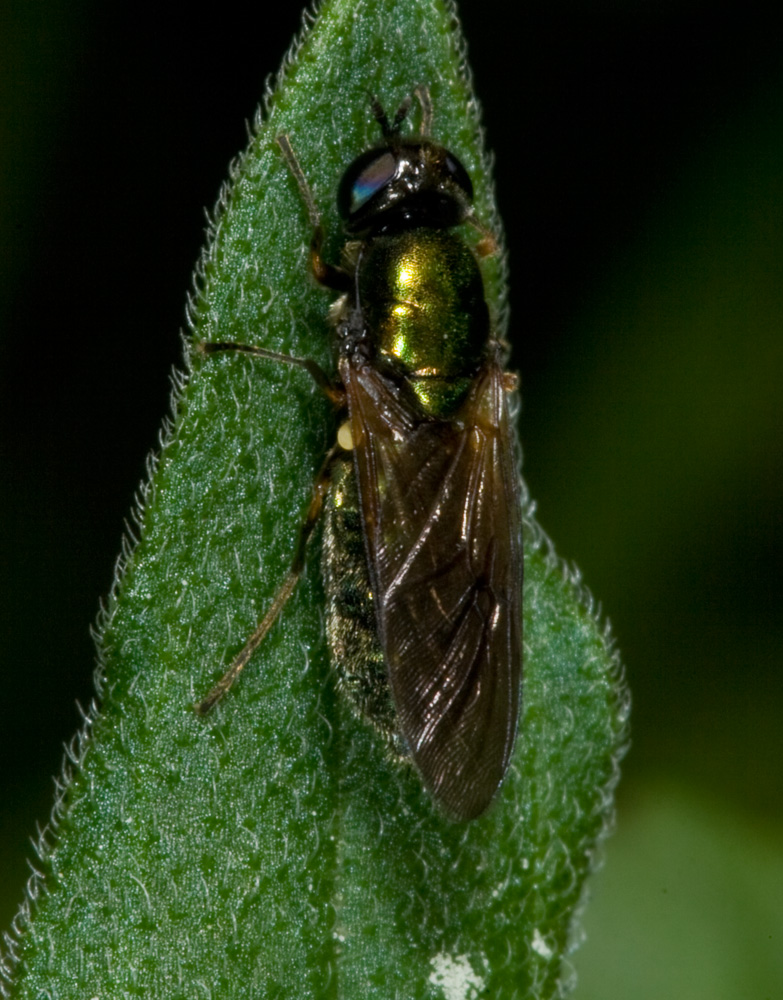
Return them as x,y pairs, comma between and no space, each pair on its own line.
335,278
320,487
337,395
325,274
425,100
319,376
488,245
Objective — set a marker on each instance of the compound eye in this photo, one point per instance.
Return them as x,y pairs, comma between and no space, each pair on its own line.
459,174
364,179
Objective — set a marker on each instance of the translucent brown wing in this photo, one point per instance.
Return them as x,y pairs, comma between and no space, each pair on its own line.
441,510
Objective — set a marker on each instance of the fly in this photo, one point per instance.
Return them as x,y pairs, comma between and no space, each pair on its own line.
422,549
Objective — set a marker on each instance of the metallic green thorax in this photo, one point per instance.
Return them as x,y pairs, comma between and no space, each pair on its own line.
422,296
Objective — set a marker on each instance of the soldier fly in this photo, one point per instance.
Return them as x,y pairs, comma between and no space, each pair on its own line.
422,548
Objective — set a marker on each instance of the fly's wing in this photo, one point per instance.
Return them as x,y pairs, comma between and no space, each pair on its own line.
441,509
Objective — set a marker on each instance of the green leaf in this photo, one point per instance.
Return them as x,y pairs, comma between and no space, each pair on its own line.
271,850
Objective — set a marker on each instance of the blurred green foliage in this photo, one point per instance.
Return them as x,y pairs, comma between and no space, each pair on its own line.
689,906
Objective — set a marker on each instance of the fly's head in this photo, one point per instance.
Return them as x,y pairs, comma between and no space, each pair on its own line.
405,183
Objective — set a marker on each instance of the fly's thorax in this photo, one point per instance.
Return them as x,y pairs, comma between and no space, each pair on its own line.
421,297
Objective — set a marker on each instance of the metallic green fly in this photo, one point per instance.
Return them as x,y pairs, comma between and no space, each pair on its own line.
422,545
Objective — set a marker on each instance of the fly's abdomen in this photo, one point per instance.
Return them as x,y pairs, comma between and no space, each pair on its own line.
351,630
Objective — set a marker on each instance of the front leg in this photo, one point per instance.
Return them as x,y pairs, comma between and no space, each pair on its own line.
325,274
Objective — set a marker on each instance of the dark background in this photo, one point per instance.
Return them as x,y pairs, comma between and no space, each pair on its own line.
639,148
